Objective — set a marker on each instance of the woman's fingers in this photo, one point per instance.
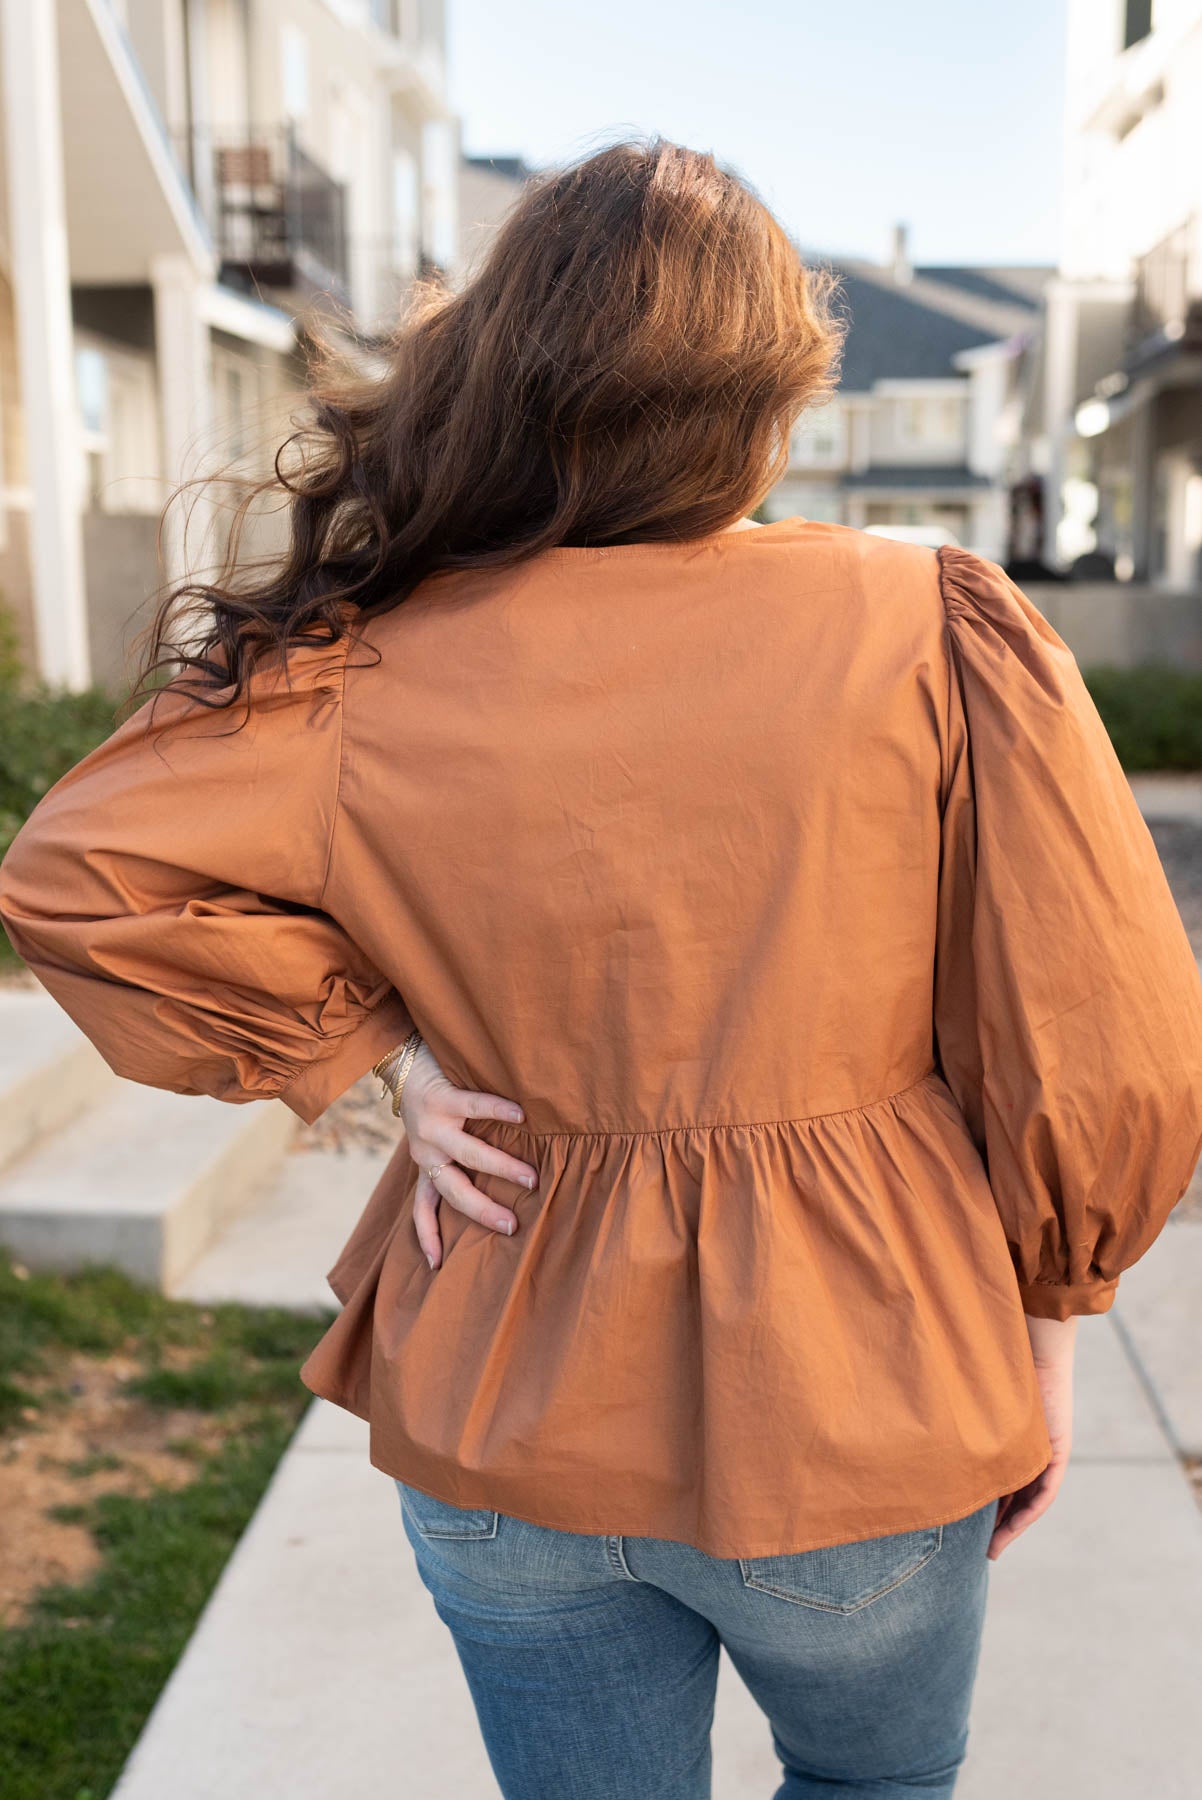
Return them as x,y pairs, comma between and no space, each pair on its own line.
456,1189
1019,1511
473,1153
488,1106
446,1143
425,1219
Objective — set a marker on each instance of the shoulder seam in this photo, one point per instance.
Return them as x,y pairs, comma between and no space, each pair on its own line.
941,578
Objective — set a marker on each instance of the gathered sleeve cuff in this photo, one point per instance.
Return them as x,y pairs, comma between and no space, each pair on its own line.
318,1083
1068,1005
170,893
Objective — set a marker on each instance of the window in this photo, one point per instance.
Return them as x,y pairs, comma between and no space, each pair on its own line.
1137,21
92,389
236,393
406,212
439,173
92,382
934,419
233,401
820,437
118,429
950,415
912,420
294,72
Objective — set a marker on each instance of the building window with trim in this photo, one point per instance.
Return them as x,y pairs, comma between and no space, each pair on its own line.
118,429
406,213
238,401
820,438
294,73
912,419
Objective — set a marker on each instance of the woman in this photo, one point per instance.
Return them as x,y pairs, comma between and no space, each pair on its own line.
787,878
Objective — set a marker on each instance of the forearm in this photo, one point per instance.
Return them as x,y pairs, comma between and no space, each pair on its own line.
1052,1340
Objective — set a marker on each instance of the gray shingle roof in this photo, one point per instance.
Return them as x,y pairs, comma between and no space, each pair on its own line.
911,331
893,337
1018,285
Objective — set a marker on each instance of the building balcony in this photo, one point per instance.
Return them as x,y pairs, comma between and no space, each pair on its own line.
278,217
1165,309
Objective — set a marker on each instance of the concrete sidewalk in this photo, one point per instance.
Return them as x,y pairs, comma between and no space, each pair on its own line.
320,1668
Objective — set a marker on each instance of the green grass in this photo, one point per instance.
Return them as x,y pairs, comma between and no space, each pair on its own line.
80,1674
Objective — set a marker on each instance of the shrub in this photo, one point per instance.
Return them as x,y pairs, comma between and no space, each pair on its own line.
1153,714
44,732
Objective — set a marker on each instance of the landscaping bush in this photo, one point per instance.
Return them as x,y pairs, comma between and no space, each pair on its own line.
1153,714
44,732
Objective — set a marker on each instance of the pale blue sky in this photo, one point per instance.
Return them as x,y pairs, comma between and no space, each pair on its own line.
847,116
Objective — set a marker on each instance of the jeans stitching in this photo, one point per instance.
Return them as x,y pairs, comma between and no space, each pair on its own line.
431,1532
615,1555
829,1606
463,1537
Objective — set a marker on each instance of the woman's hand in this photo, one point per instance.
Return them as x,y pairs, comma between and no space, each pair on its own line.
1052,1344
434,1114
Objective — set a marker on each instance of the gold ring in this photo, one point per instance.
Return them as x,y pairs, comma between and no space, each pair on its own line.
436,1170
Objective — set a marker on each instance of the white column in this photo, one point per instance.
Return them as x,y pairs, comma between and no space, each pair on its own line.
989,514
185,404
42,293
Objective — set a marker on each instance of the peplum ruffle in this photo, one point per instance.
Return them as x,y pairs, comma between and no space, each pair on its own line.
783,1322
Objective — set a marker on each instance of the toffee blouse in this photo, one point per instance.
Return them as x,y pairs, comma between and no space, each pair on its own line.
789,880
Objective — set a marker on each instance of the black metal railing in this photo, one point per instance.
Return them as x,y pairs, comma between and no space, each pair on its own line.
278,217
1162,285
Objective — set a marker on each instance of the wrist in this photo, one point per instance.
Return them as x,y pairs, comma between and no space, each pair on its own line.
1052,1340
393,1070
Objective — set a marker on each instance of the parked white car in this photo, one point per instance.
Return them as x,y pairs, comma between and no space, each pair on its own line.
933,536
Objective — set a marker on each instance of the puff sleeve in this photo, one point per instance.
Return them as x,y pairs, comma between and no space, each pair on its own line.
1068,1007
169,892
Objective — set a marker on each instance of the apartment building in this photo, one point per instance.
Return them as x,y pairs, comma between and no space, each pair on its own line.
919,435
188,188
1114,416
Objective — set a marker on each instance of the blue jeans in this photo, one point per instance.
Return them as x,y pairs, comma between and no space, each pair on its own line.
593,1661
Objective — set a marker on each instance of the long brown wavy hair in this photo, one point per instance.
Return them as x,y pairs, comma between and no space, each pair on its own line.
626,365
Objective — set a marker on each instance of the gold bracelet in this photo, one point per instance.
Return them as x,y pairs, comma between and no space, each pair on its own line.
383,1069
393,1069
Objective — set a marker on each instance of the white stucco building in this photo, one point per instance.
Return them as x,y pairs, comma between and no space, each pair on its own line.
185,185
1114,423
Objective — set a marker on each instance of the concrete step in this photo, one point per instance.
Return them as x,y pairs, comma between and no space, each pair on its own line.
48,1070
141,1180
276,1252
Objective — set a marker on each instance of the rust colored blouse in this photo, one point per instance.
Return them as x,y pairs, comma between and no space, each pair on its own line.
789,880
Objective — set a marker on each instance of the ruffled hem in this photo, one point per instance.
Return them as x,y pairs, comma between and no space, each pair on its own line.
750,1338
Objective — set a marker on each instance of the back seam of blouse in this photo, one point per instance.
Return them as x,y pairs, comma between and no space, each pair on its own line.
663,1131
337,802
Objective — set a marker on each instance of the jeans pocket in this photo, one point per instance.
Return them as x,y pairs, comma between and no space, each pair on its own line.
433,1518
844,1577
